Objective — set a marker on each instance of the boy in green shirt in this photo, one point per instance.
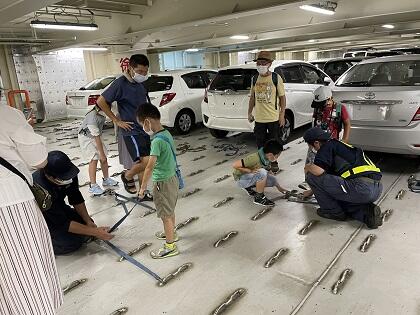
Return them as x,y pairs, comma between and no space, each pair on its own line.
162,169
250,172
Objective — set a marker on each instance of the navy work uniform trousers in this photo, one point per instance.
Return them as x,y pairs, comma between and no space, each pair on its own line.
343,198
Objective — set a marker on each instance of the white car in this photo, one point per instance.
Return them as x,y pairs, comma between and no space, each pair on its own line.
80,102
225,106
178,95
382,96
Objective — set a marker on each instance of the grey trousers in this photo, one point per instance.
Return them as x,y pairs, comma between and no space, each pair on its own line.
344,198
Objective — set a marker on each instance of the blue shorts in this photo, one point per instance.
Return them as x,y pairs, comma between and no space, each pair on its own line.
138,146
250,180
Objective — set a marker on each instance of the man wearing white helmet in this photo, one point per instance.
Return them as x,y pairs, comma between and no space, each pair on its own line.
329,116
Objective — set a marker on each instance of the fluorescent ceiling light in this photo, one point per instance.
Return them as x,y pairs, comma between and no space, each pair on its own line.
192,50
93,48
312,40
239,37
389,26
328,8
64,26
348,42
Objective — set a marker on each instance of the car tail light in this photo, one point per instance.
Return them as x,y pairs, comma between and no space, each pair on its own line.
206,99
166,98
92,99
416,116
67,100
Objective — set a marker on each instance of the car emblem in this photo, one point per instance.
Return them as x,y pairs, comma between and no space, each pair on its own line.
370,95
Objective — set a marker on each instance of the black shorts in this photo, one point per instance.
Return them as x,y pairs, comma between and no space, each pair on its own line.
138,146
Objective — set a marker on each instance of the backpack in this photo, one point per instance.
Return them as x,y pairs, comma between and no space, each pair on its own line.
177,170
275,79
338,120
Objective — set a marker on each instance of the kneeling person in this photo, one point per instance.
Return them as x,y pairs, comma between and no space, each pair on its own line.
161,167
344,180
69,227
250,172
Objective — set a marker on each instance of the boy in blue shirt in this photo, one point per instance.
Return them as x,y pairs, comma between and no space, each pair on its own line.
161,167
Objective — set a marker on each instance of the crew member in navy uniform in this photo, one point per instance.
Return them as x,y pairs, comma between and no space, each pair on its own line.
345,182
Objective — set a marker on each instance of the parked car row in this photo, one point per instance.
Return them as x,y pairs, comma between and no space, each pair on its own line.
382,96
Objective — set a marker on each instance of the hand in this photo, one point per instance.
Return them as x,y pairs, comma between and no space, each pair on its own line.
31,120
141,192
124,125
251,118
282,121
306,168
90,223
103,234
102,157
307,193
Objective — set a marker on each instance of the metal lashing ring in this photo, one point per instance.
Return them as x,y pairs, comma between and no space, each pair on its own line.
237,294
221,162
307,227
195,173
186,222
386,215
345,275
276,256
73,285
174,274
222,202
400,194
119,311
261,213
225,238
85,184
296,162
148,212
367,242
218,180
187,194
113,156
135,250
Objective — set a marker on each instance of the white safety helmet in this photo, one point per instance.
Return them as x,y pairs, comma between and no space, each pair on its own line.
322,93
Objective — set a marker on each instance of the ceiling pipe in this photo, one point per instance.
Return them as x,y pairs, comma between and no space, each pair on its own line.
96,10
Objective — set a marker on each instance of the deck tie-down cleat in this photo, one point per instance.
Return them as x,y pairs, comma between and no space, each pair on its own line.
120,311
367,242
192,192
308,227
386,215
161,235
225,238
261,213
400,194
174,274
345,275
135,250
220,179
222,202
276,256
73,285
237,294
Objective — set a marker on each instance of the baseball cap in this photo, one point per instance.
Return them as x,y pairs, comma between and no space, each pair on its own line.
316,134
59,166
322,93
264,55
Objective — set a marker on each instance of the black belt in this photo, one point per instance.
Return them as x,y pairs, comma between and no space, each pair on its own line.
368,179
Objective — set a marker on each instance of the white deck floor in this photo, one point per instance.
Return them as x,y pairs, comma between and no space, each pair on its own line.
385,279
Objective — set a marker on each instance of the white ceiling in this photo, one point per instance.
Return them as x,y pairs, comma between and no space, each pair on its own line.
162,25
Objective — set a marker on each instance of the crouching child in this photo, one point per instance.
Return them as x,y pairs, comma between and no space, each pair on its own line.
161,167
252,176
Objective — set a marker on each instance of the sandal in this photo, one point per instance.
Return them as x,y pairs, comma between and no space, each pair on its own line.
129,184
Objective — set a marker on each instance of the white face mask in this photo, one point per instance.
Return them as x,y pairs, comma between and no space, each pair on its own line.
150,132
140,78
262,69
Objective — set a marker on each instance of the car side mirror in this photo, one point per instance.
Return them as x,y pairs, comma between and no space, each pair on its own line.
327,80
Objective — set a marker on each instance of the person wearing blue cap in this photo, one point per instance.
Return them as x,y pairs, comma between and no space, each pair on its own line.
345,182
70,227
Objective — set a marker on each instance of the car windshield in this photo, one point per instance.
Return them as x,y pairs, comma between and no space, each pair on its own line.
395,73
98,84
157,83
233,79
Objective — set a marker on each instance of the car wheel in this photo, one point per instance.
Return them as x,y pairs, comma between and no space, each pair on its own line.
219,134
288,127
184,122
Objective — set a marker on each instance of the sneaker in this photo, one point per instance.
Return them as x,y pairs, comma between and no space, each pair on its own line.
109,182
147,197
250,191
275,167
162,236
373,218
330,216
261,199
164,252
304,186
96,190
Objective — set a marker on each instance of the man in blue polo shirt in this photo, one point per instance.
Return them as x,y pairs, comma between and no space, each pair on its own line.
345,182
129,93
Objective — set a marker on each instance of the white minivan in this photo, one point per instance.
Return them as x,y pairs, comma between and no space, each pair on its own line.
225,105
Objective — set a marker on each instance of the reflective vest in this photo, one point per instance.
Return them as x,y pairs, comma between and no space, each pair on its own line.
363,165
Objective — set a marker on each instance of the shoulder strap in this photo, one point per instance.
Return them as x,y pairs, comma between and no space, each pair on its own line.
275,78
13,169
148,98
168,142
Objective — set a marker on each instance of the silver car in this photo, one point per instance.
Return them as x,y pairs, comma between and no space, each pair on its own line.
382,96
